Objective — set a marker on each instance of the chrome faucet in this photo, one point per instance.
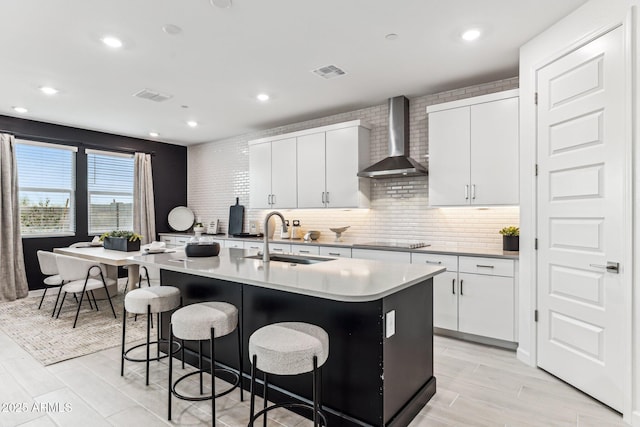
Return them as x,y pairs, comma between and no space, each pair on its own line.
265,250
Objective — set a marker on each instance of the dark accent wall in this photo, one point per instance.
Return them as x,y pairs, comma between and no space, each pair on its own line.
169,178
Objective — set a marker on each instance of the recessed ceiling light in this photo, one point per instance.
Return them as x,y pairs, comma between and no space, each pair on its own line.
471,35
262,97
21,110
154,134
111,41
391,36
192,123
48,90
171,29
221,3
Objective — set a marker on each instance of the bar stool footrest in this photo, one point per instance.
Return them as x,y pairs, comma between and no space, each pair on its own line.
288,405
144,344
207,397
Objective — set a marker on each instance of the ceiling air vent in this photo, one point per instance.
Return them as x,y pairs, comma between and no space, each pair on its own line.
152,95
329,71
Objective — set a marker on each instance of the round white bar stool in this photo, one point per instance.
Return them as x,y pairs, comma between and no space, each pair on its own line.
156,299
288,348
200,322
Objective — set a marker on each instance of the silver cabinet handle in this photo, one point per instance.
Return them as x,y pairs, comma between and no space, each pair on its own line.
323,202
611,267
327,198
273,199
433,262
461,282
334,253
473,191
466,192
254,247
453,286
304,252
277,249
269,199
484,266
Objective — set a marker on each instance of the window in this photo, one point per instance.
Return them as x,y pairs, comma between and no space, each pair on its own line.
46,179
110,187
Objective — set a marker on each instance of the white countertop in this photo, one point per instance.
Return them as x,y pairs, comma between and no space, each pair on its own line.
341,279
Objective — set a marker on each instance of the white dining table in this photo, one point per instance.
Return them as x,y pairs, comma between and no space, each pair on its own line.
112,259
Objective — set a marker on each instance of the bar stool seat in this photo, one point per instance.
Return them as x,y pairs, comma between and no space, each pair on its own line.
200,322
157,299
288,348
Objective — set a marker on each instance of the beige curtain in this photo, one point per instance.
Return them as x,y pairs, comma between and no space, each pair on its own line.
144,212
13,278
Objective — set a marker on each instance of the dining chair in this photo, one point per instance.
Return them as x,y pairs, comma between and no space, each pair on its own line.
83,277
49,268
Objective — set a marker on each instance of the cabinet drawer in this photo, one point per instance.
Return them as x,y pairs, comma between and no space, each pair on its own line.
279,248
448,261
169,240
378,255
305,250
234,244
254,246
335,251
490,266
181,240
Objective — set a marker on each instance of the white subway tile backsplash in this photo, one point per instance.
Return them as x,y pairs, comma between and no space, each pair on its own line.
218,172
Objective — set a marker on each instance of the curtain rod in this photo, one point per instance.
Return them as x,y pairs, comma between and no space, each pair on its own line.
65,141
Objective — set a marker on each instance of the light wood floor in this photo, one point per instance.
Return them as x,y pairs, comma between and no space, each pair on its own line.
477,386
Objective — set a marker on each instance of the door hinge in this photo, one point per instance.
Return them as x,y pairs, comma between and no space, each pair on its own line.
535,98
536,169
535,243
535,315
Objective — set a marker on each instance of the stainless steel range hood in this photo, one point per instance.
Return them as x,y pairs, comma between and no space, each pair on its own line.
398,164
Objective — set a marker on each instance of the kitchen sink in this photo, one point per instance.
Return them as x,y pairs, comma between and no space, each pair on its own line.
293,259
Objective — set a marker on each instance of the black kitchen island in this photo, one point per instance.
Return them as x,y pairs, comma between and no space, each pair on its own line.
378,317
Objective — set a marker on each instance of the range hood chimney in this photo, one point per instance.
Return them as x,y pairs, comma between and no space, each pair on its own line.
398,164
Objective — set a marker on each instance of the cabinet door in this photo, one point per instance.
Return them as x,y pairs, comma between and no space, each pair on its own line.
445,300
341,168
335,251
283,174
260,176
311,170
485,306
494,152
449,169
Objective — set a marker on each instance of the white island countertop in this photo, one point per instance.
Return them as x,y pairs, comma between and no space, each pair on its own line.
341,279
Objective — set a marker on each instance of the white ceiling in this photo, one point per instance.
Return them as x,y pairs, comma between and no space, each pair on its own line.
224,57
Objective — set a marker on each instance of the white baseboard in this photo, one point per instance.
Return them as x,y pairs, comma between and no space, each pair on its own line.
635,419
524,356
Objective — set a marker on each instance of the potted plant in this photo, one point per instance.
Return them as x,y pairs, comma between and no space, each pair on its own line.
510,238
121,240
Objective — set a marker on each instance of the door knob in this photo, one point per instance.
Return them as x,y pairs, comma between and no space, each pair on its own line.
611,267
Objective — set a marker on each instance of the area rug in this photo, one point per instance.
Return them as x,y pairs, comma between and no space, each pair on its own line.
50,340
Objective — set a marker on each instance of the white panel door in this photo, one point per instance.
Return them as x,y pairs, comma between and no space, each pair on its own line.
494,152
445,300
449,169
582,216
342,161
283,174
311,170
260,176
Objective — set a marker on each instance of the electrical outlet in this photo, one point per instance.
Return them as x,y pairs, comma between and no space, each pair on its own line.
390,329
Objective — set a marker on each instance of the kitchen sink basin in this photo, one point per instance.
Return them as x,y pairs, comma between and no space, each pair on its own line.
292,259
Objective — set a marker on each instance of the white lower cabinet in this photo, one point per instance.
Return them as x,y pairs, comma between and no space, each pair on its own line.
238,244
381,255
475,295
305,250
254,246
279,248
338,251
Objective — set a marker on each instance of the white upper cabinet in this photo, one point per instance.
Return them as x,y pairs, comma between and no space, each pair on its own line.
473,151
311,170
317,168
272,174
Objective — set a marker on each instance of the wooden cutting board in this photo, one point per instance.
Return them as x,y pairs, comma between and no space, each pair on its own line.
236,218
